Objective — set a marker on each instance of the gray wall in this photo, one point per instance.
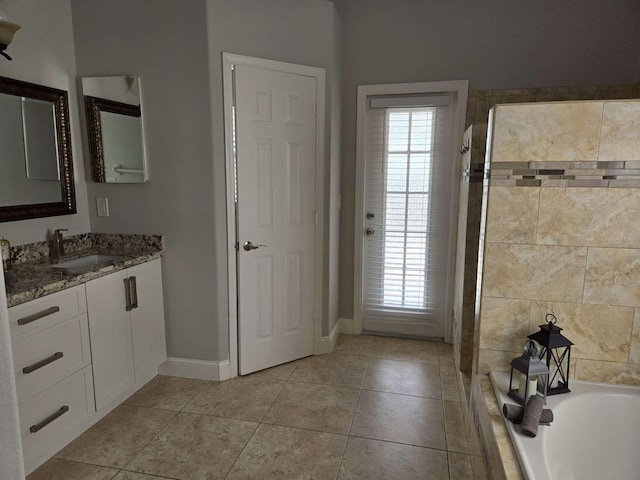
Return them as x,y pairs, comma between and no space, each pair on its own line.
165,43
43,53
497,44
296,31
181,85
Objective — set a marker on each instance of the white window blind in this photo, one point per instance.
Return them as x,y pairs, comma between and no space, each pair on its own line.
407,211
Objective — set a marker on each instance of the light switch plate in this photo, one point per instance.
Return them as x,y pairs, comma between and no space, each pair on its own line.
102,206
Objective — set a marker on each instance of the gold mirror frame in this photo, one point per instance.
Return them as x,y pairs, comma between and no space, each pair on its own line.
60,100
93,107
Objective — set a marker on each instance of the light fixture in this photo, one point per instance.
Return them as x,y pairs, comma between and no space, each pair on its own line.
7,30
556,353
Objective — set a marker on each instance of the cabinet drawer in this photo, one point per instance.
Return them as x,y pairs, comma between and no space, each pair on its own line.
45,418
42,312
49,355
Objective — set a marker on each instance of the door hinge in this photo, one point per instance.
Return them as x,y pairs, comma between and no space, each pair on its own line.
315,219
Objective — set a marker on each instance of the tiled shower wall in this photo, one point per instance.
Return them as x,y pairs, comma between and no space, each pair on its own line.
563,235
478,106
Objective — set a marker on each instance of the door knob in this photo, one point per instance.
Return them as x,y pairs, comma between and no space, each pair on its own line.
248,246
369,232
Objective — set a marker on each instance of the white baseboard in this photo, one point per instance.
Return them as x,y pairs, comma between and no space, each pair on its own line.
198,369
328,344
346,325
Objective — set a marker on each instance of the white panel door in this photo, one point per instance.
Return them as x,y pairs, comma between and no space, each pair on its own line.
276,145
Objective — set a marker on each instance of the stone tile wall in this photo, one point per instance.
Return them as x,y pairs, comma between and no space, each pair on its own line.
570,249
480,102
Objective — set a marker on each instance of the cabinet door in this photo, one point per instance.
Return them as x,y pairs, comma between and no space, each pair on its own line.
110,331
147,321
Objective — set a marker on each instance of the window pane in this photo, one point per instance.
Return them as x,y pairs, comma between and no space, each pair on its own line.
397,173
398,128
395,211
417,213
420,172
421,130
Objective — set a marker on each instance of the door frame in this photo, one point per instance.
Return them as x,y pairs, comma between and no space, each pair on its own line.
228,60
461,87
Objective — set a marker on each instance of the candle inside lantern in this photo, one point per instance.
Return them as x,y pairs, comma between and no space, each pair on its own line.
533,387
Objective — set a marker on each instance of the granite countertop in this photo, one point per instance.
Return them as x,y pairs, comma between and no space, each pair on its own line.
34,279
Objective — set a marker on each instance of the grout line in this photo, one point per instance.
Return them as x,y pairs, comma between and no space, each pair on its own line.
152,474
151,439
242,451
400,443
354,416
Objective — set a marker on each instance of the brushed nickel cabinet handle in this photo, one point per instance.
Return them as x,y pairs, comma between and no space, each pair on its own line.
39,426
127,295
42,363
134,292
38,316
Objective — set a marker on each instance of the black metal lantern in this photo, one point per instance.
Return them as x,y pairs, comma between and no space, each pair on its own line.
530,369
556,353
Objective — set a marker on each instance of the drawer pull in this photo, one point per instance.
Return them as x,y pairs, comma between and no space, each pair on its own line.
42,363
134,292
127,295
38,316
39,426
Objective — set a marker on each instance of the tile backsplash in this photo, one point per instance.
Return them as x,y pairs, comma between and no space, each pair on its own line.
573,250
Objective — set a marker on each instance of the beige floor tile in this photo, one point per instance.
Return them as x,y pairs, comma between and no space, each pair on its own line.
450,388
316,407
242,398
169,393
408,378
445,354
332,369
455,428
372,459
460,466
400,418
124,475
407,350
355,344
276,452
118,437
280,372
56,469
194,446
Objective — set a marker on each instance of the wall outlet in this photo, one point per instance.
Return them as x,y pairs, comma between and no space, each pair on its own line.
102,206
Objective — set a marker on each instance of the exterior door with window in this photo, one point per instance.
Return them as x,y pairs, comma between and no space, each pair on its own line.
408,171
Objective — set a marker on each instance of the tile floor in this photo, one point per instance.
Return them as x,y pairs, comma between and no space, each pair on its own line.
376,408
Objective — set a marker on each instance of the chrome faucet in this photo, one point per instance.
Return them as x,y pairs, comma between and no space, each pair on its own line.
56,244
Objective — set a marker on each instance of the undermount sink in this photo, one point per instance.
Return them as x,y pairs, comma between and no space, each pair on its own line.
85,263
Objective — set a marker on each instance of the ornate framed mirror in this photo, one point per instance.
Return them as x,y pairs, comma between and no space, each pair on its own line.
114,126
36,165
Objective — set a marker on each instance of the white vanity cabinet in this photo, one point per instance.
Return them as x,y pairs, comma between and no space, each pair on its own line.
80,352
126,321
52,364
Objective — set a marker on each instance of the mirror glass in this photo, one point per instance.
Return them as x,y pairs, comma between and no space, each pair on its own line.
36,176
114,125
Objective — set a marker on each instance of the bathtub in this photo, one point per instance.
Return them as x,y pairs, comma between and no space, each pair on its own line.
595,434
